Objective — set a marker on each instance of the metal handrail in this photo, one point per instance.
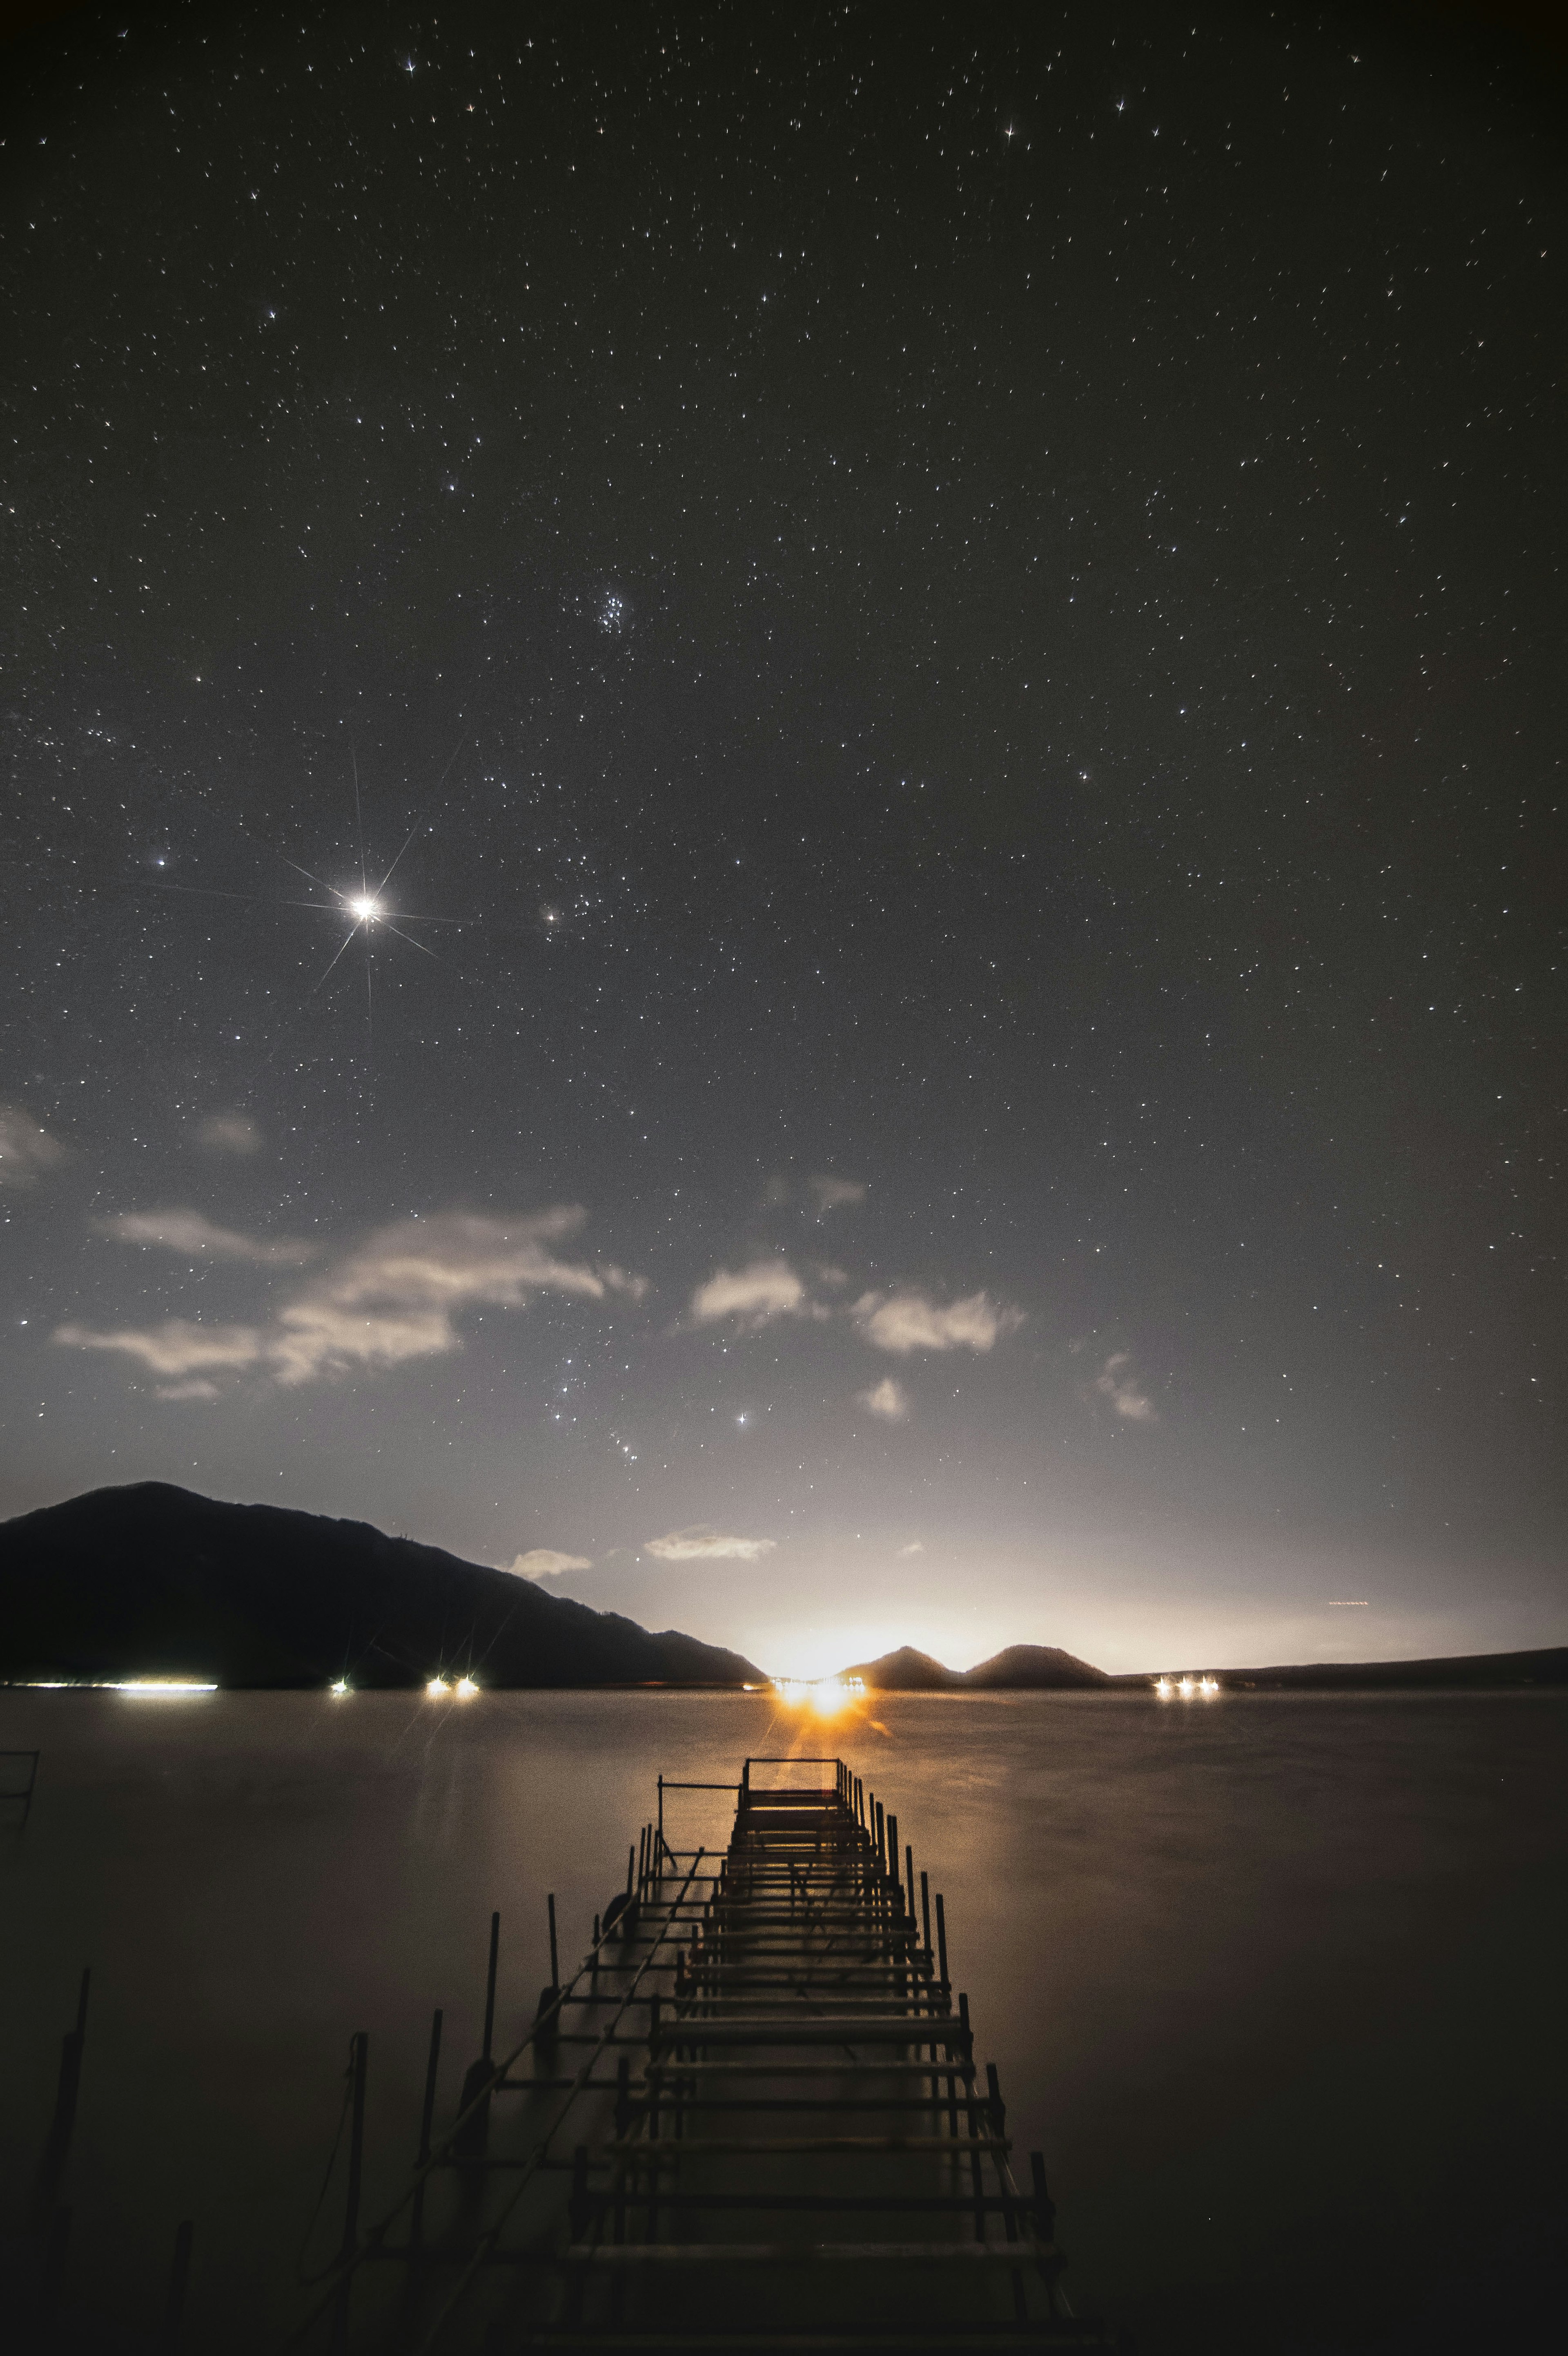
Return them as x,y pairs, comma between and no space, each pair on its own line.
487,2240
346,2265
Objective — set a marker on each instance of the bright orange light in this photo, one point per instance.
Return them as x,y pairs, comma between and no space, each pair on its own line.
826,1696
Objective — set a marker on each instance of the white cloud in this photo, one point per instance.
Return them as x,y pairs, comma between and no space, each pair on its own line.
461,1259
546,1562
198,1387
837,1194
228,1132
903,1321
27,1148
393,1298
753,1297
318,1337
1115,1383
707,1546
887,1399
193,1235
914,1547
176,1347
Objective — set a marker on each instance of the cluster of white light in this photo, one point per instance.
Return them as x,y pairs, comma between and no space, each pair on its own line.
164,1687
1169,1688
464,1687
824,1694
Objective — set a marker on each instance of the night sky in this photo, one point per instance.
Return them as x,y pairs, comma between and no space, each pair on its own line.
951,627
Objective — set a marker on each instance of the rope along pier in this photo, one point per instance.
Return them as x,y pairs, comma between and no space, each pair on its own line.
775,2135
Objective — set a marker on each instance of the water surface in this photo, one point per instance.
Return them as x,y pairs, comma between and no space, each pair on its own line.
1276,1982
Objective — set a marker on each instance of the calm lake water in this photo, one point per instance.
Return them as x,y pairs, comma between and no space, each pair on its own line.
1276,1982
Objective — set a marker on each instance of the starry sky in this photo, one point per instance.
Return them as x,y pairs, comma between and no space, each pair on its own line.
936,645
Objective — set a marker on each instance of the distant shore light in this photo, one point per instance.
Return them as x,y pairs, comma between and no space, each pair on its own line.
466,1688
340,1686
437,1687
175,1687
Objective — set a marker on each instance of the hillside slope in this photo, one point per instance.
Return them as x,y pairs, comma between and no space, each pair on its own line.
1036,1667
152,1579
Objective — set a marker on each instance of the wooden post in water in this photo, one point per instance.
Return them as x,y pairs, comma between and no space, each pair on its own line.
547,2036
490,1985
427,2124
57,2146
474,2103
179,2283
358,2060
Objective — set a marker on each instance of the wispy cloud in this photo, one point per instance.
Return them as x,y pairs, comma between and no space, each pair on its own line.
1116,1382
315,1338
228,1132
178,1346
198,1387
837,1194
752,1297
915,1545
903,1321
703,1545
887,1399
461,1261
27,1148
395,1298
194,1236
546,1562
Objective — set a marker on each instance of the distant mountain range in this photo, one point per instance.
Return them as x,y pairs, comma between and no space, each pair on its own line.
1041,1668
151,1581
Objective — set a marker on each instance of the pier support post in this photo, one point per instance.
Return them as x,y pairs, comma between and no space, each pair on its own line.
179,2283
359,2065
56,2146
427,2125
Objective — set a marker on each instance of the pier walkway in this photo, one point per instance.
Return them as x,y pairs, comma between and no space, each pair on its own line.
778,2137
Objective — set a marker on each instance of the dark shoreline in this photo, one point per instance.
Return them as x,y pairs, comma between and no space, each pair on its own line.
1491,1672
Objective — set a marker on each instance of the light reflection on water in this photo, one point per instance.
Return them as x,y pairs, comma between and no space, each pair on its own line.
1274,1983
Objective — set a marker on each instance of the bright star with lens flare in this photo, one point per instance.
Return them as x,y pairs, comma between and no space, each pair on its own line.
364,909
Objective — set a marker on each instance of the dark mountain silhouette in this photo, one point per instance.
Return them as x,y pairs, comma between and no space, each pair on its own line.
1037,1667
1034,1664
151,1579
905,1671
1041,1667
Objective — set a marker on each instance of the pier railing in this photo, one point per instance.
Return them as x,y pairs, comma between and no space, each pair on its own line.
751,2118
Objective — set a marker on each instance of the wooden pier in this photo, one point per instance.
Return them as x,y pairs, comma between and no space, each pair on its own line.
752,2120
